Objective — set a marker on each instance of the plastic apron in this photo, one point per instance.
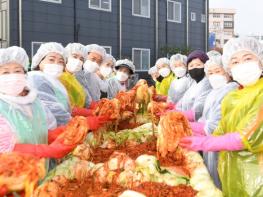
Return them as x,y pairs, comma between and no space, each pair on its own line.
178,87
194,98
241,172
74,89
60,91
163,86
211,116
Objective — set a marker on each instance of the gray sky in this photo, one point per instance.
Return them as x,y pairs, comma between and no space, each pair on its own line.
249,14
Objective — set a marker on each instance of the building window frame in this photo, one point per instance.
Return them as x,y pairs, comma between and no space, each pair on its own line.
99,8
216,15
32,47
193,16
108,47
53,1
149,57
203,18
141,15
180,6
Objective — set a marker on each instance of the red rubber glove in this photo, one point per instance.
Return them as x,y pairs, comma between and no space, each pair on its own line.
53,134
93,104
3,190
81,112
55,150
95,122
159,98
171,106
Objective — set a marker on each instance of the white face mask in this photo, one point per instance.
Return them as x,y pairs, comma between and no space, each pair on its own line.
105,71
121,76
90,66
179,71
12,84
74,65
247,73
53,70
217,81
164,72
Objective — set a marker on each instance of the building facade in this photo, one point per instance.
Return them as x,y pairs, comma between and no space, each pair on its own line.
222,23
135,29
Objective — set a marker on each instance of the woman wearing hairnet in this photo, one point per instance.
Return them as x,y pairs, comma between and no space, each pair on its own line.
76,92
165,76
193,101
23,122
239,136
182,82
106,70
222,85
124,69
48,65
89,77
153,71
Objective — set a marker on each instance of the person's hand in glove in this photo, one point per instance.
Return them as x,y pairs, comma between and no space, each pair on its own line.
55,150
197,128
159,98
81,112
227,142
190,115
95,122
171,107
53,134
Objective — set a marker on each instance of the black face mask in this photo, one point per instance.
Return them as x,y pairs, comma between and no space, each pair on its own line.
197,74
160,78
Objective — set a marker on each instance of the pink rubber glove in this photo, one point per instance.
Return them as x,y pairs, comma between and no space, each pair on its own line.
198,128
227,142
190,115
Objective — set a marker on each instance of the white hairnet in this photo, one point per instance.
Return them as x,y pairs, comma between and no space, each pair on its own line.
127,63
14,54
109,57
152,70
214,60
213,53
178,57
76,48
235,45
45,49
162,61
96,49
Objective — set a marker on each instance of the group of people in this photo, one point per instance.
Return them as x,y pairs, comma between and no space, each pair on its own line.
220,94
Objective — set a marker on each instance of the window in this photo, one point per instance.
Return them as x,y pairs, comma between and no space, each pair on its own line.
141,59
203,18
141,8
228,16
4,24
193,16
216,15
228,24
104,5
34,47
108,49
216,25
53,1
174,11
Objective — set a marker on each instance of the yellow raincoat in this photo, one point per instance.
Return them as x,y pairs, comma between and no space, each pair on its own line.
241,172
163,87
76,92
